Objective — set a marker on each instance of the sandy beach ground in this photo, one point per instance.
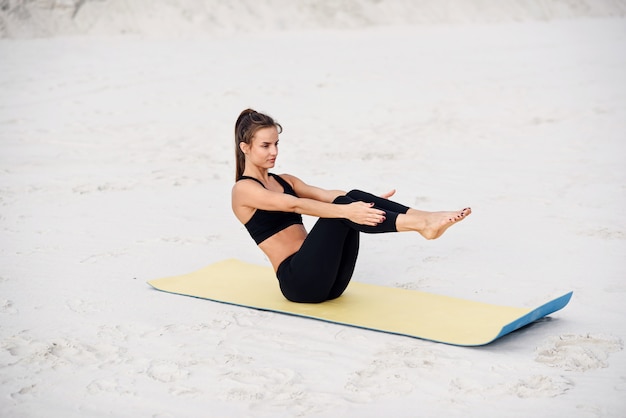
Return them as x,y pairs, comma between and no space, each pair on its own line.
116,164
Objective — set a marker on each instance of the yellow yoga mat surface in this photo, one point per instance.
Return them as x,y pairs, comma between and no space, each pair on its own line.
398,311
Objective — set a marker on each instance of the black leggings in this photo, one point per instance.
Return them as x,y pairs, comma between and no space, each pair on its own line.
323,267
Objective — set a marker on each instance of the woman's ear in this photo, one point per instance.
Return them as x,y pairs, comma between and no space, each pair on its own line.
244,147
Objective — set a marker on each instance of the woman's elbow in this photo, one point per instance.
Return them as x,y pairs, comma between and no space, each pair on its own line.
296,205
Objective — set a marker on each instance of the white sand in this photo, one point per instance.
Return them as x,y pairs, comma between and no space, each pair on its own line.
116,166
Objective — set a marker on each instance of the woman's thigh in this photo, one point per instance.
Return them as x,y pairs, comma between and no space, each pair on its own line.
311,273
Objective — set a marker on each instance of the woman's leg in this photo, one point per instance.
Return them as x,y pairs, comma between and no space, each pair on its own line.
392,211
325,259
323,266
347,264
351,244
379,202
430,225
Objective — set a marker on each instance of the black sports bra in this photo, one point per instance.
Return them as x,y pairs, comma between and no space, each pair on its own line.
265,223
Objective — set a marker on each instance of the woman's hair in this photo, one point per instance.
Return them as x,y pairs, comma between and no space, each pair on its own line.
248,123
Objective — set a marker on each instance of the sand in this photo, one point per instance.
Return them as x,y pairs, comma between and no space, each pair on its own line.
116,165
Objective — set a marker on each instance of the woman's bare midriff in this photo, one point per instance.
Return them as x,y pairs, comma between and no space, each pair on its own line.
283,244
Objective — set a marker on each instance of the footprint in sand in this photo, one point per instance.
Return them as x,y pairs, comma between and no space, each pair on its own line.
81,306
166,371
272,386
30,390
536,386
578,352
117,334
6,306
541,386
393,372
113,385
58,353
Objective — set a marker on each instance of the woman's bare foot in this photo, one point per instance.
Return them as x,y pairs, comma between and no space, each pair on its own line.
438,222
431,225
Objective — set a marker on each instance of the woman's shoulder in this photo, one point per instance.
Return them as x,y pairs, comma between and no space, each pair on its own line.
241,185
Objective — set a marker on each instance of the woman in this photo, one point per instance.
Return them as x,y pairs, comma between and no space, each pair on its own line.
318,266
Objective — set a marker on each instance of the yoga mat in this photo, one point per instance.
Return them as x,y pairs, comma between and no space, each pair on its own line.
398,311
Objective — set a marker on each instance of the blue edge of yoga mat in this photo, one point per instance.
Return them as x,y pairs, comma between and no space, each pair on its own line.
544,310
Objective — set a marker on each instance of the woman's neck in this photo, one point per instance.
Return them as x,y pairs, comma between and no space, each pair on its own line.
258,173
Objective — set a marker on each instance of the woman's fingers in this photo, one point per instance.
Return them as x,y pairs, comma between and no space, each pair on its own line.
367,214
376,216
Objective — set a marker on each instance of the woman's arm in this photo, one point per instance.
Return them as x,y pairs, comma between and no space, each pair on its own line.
311,192
305,190
247,196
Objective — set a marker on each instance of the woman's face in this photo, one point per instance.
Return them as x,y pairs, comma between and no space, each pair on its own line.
264,148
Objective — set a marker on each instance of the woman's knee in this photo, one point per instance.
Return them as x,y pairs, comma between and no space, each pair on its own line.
343,200
352,196
360,195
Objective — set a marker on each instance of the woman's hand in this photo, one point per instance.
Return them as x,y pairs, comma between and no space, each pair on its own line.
364,214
